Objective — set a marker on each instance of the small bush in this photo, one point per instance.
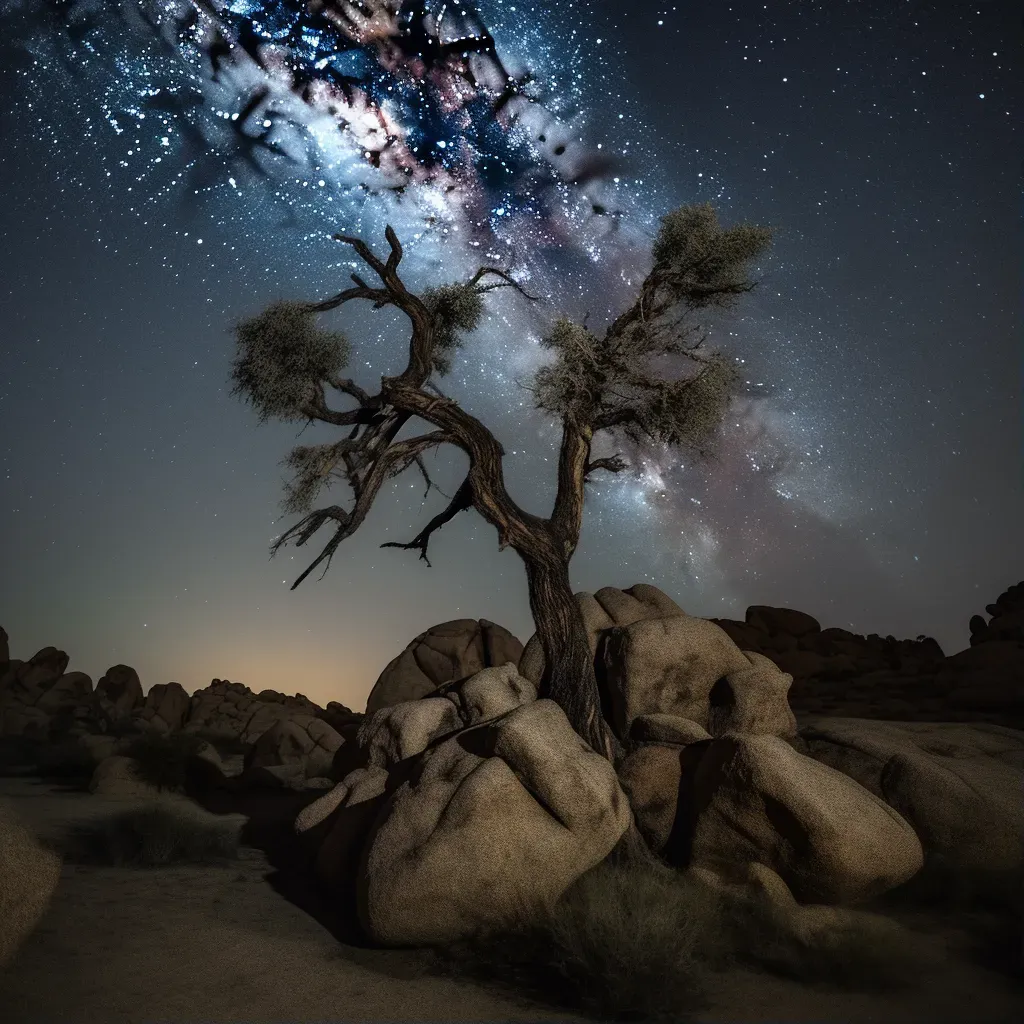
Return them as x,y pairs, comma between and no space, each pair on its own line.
152,836
622,943
66,760
163,760
17,752
854,956
225,745
632,943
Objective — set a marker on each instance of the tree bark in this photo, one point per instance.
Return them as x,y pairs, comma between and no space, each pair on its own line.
568,677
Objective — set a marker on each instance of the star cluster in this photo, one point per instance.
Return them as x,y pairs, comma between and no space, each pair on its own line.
201,155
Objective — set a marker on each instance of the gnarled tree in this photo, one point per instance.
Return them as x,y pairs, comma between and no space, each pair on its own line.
598,382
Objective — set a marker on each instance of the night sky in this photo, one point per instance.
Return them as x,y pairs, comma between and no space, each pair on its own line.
870,474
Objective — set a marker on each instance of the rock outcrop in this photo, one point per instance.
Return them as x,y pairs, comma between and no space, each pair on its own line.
444,653
29,874
836,672
462,801
484,776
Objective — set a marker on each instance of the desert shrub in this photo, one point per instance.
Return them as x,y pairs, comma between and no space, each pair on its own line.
225,745
622,943
163,760
853,956
638,943
17,751
121,728
66,760
152,836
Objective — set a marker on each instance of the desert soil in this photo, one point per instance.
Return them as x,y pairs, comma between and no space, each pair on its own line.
221,943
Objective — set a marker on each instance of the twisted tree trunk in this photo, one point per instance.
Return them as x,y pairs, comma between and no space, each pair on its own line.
569,680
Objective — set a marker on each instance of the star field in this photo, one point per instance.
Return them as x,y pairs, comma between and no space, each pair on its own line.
870,473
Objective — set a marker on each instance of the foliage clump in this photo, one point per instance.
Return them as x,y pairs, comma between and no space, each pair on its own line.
283,360
456,309
162,761
698,262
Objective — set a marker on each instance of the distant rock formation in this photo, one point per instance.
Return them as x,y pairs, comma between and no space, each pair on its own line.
464,800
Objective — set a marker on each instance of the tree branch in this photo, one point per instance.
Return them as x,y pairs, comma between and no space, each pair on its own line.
508,282
387,463
463,499
613,418
614,464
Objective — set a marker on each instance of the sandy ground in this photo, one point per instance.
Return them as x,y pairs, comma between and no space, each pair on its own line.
234,943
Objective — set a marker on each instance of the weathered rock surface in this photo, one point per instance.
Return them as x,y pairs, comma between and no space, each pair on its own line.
519,802
483,767
961,786
119,691
444,653
689,667
302,742
165,709
836,672
754,798
233,710
601,611
29,874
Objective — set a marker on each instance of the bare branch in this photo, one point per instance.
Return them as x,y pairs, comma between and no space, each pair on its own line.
396,249
463,499
509,282
349,387
378,296
430,483
388,463
614,464
365,253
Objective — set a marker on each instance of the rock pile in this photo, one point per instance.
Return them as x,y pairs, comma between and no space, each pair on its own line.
458,762
836,672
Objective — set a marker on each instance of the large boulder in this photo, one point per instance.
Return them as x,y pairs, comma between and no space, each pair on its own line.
520,803
119,691
71,688
607,608
444,653
1007,621
29,874
781,620
482,775
233,711
32,691
689,667
27,680
959,785
303,740
755,798
165,709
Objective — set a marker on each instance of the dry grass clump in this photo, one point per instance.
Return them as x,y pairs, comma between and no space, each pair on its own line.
639,943
159,834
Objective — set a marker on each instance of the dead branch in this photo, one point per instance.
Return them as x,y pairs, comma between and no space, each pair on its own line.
463,499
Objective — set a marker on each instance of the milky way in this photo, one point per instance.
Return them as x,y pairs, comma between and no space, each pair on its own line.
466,130
172,168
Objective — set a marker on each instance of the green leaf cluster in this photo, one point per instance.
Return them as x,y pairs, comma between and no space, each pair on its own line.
456,309
284,358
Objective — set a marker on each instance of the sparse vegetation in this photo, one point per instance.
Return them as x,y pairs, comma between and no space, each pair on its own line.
163,760
17,752
66,760
158,834
639,943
